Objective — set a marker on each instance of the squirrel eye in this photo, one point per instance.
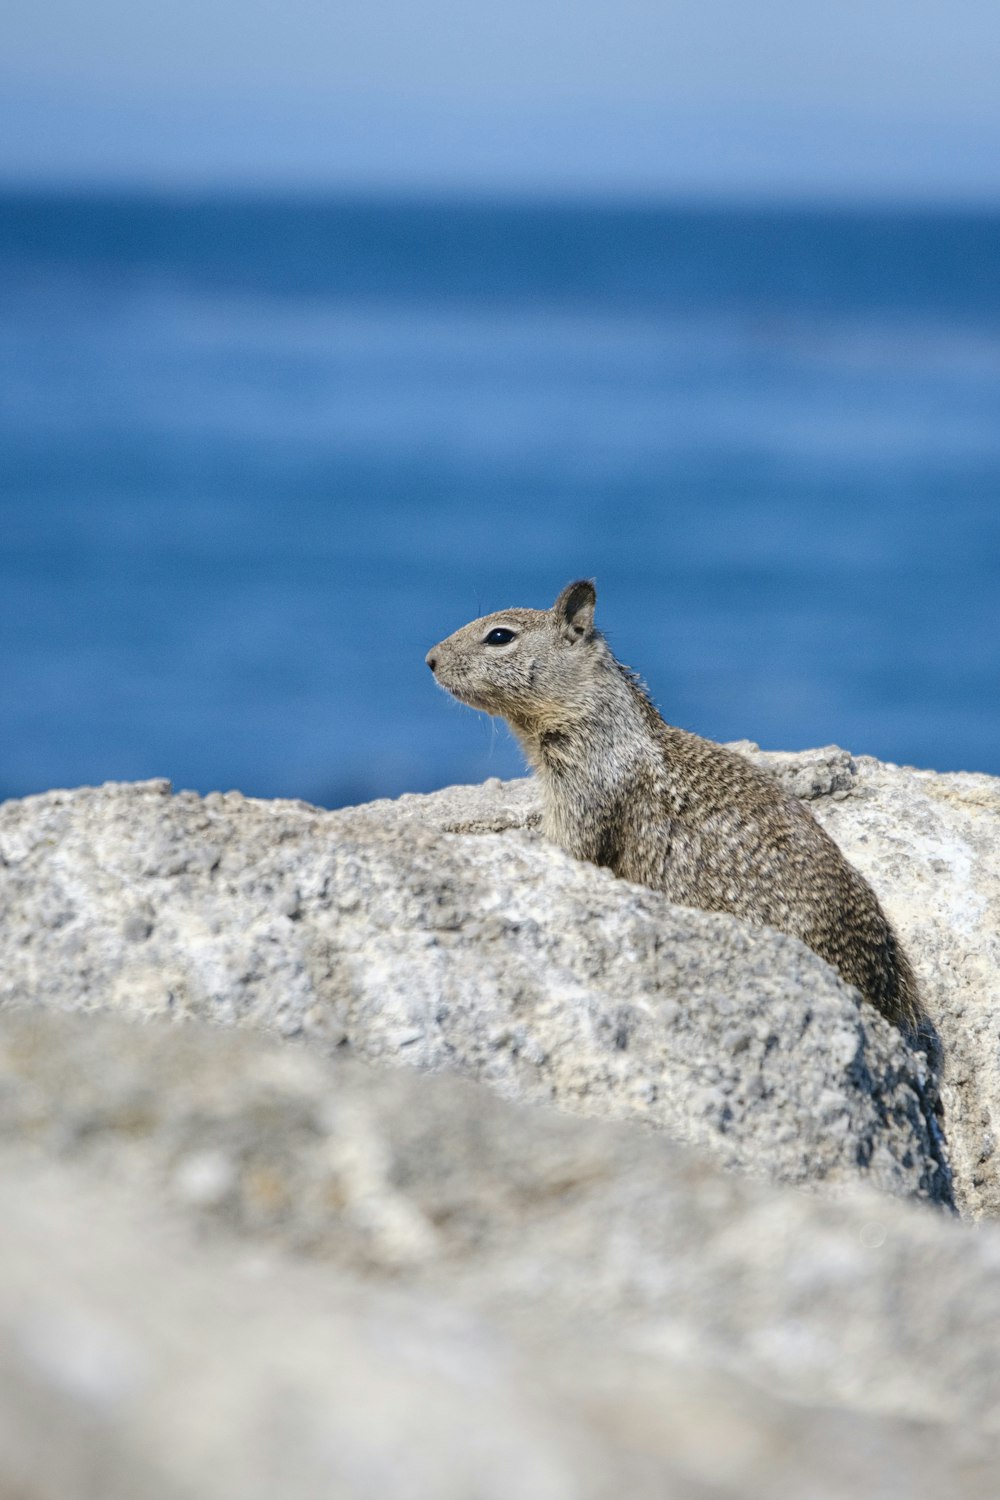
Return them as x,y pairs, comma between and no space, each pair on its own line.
499,637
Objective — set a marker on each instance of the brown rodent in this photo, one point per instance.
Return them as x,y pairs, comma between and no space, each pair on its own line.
663,807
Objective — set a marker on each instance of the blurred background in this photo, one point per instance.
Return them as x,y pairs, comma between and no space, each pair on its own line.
325,328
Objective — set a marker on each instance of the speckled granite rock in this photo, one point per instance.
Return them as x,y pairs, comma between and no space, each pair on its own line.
235,1264
930,846
929,843
483,951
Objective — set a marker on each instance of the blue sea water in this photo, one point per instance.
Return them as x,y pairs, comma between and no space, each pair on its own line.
257,456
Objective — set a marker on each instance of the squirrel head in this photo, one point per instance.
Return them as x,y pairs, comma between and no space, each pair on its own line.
529,666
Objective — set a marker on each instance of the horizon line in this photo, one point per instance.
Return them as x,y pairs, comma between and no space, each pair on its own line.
191,192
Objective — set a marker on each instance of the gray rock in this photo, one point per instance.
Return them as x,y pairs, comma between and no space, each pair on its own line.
235,1264
929,844
416,936
231,1266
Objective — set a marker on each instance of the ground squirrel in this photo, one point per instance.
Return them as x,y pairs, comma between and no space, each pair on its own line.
663,807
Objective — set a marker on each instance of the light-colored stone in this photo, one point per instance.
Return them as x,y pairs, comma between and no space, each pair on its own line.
929,844
412,1288
491,953
244,1264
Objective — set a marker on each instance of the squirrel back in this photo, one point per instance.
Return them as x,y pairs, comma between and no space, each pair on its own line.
662,807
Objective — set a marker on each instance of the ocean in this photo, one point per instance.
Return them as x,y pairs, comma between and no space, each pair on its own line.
256,456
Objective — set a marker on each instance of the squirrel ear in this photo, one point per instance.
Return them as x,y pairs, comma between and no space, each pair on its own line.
574,610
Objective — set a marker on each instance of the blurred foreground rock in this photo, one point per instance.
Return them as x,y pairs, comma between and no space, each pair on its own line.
239,1263
232,1267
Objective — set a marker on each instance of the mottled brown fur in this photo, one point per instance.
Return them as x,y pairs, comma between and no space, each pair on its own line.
663,807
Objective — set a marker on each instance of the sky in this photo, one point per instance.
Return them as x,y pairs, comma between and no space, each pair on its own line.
786,98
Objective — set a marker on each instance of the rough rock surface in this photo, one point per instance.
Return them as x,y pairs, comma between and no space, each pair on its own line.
929,844
246,1264
487,952
231,1266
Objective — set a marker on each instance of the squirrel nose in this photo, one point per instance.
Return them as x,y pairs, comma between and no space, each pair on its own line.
431,661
